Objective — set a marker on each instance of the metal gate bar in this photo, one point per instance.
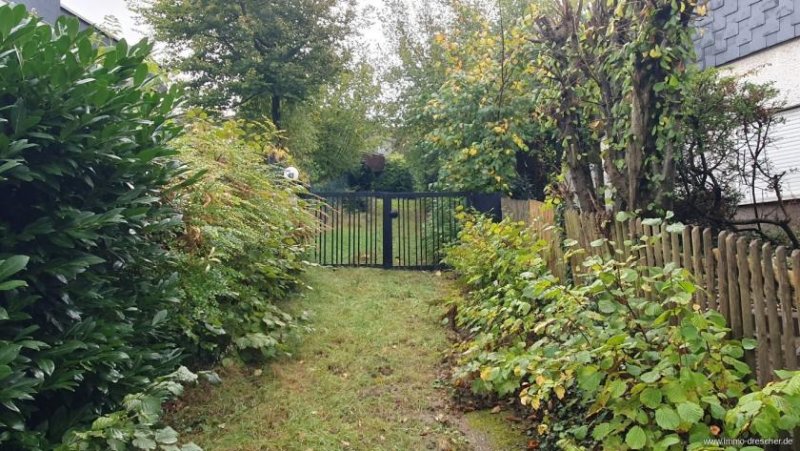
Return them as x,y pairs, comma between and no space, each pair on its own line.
390,230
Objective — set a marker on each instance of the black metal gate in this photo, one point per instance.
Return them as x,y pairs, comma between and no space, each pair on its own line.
391,230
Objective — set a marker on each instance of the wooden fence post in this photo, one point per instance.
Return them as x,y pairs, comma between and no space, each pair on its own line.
722,275
746,306
697,266
676,248
757,282
734,303
771,301
687,249
785,295
666,244
709,269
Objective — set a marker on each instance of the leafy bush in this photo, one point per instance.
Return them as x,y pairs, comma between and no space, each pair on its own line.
116,258
396,176
655,372
137,424
245,233
83,167
626,360
496,262
769,411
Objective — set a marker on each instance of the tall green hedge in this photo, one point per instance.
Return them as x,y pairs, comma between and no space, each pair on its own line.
83,170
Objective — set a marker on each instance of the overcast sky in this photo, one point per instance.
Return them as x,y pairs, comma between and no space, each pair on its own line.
97,10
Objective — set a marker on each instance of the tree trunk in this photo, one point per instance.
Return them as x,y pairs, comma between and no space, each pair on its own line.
581,180
276,111
580,172
637,196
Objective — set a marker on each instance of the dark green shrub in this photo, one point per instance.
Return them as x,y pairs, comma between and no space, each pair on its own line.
83,171
395,177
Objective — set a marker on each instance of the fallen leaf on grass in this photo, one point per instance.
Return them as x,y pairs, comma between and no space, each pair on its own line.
444,445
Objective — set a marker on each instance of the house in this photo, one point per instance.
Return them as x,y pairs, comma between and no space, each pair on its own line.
758,39
51,10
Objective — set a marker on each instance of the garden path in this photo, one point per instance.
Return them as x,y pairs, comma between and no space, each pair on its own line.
367,377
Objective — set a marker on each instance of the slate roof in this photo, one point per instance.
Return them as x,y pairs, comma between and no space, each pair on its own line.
736,28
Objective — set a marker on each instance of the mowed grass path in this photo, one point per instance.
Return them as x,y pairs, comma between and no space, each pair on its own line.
366,378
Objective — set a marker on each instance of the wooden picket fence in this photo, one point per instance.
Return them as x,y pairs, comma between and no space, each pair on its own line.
754,285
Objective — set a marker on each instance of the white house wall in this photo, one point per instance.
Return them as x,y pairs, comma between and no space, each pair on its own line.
779,65
784,154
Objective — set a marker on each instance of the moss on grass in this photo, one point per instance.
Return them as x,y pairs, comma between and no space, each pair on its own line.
496,429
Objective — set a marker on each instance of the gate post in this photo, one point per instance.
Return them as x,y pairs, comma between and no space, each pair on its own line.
387,232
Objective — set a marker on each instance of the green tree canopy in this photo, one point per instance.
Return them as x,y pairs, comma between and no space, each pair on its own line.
252,55
331,131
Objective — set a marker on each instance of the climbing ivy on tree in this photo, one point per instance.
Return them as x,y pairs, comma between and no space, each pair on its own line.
614,72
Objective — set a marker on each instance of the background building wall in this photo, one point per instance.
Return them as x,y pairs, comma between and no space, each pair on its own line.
733,29
779,65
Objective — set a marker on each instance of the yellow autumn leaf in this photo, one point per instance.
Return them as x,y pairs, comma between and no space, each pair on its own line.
542,429
655,52
518,141
560,391
473,151
486,373
535,403
701,10
540,380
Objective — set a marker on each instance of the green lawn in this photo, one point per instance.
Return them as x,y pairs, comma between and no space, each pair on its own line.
367,378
